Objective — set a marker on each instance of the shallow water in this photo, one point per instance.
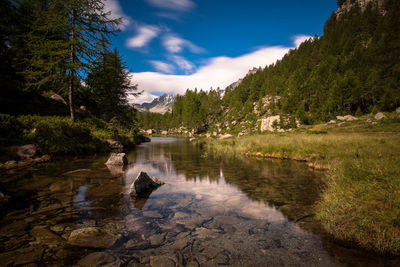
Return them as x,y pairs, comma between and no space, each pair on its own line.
211,211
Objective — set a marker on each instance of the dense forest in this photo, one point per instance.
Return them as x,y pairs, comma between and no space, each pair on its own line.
57,65
353,68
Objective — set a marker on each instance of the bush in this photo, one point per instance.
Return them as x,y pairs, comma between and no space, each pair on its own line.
10,130
57,135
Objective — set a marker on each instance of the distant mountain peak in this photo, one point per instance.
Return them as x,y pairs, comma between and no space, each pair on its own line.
161,104
250,72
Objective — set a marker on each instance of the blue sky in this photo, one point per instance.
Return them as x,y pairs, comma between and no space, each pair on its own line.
172,45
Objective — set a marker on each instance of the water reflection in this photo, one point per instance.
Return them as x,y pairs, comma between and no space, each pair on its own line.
211,211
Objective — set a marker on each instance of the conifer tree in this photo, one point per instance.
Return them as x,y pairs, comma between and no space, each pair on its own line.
64,41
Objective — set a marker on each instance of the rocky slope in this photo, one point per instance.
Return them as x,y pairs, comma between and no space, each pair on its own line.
160,104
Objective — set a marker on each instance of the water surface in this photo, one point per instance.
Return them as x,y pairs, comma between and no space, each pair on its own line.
211,211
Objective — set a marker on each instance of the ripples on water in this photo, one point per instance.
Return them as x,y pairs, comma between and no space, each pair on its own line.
211,211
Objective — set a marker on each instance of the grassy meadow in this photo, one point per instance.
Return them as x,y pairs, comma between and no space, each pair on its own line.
361,200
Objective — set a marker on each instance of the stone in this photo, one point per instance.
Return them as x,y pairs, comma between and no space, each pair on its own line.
115,146
3,199
157,240
83,108
14,228
332,122
346,118
164,132
398,110
267,124
149,131
225,136
144,184
58,98
46,237
28,255
152,214
146,139
117,159
92,237
379,116
99,259
26,151
161,261
116,170
180,244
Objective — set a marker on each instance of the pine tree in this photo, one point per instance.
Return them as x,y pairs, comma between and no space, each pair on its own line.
65,40
110,84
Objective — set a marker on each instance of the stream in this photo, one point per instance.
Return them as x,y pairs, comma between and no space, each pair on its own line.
211,211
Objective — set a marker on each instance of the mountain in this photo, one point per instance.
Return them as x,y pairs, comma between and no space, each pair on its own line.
161,104
250,72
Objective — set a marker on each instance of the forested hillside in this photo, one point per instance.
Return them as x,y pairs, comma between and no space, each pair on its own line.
353,68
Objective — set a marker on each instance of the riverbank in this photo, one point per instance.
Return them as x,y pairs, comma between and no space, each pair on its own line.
57,135
360,203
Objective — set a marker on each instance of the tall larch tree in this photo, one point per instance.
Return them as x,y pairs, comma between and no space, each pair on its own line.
65,40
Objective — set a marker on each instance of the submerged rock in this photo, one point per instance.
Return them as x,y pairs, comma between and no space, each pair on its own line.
99,259
144,184
117,159
46,237
161,260
379,116
92,237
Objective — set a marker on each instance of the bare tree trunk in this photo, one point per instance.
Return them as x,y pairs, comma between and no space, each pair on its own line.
72,70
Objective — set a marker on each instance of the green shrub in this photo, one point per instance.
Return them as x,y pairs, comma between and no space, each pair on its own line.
10,130
57,135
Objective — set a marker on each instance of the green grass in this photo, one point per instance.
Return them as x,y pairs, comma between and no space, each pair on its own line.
361,202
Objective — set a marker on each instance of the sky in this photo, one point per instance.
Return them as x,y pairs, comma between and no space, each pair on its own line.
173,45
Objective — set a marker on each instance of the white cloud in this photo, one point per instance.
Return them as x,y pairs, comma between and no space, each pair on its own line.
175,44
183,63
162,66
145,34
145,97
219,72
179,5
114,7
298,39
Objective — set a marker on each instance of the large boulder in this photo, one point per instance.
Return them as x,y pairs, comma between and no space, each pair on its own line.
92,237
225,136
379,116
346,118
267,124
115,146
58,98
117,159
26,151
144,184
